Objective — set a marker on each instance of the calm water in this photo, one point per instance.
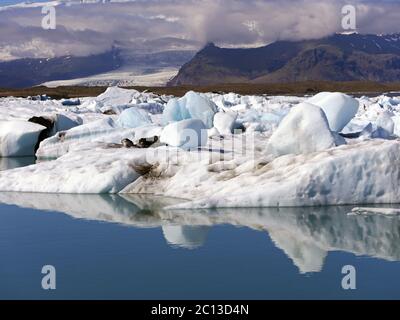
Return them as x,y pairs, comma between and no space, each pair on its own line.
111,247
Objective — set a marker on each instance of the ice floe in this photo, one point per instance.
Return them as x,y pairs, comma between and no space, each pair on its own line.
19,138
338,107
304,130
191,106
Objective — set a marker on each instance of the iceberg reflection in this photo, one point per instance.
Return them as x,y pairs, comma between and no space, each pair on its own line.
13,163
306,235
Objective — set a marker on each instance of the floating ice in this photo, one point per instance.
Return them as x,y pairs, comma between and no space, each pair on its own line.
63,123
100,131
224,122
175,110
133,118
191,106
338,107
117,96
18,138
361,173
186,134
304,130
386,123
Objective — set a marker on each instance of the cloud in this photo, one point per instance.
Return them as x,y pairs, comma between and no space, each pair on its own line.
155,25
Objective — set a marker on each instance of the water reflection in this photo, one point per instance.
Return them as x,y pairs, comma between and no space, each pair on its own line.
306,235
13,163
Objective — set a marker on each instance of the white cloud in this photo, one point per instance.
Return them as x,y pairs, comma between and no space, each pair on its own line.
94,28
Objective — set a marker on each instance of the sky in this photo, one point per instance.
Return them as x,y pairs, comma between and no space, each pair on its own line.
158,25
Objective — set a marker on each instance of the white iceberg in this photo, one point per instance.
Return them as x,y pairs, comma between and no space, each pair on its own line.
386,123
117,96
338,107
19,138
365,172
186,134
224,122
133,118
304,130
94,170
106,131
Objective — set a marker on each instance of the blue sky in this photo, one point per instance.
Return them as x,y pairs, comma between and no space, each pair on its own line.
157,25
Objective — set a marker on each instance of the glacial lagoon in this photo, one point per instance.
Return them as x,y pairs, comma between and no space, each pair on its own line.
129,247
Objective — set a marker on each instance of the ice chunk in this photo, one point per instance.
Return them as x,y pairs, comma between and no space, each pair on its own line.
386,123
191,106
224,122
94,170
19,138
133,118
117,96
186,134
63,123
101,131
338,107
304,130
360,173
201,108
175,110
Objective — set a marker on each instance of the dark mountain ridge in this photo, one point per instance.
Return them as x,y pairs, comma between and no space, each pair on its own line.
350,57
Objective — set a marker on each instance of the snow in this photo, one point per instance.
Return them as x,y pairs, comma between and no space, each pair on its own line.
18,138
338,107
289,154
304,130
191,106
186,134
133,118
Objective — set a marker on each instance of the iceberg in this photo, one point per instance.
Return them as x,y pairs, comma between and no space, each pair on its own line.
224,122
101,131
338,107
362,173
186,134
191,106
133,118
19,138
304,130
386,124
117,96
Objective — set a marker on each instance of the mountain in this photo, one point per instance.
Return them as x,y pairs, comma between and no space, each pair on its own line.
29,71
340,57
